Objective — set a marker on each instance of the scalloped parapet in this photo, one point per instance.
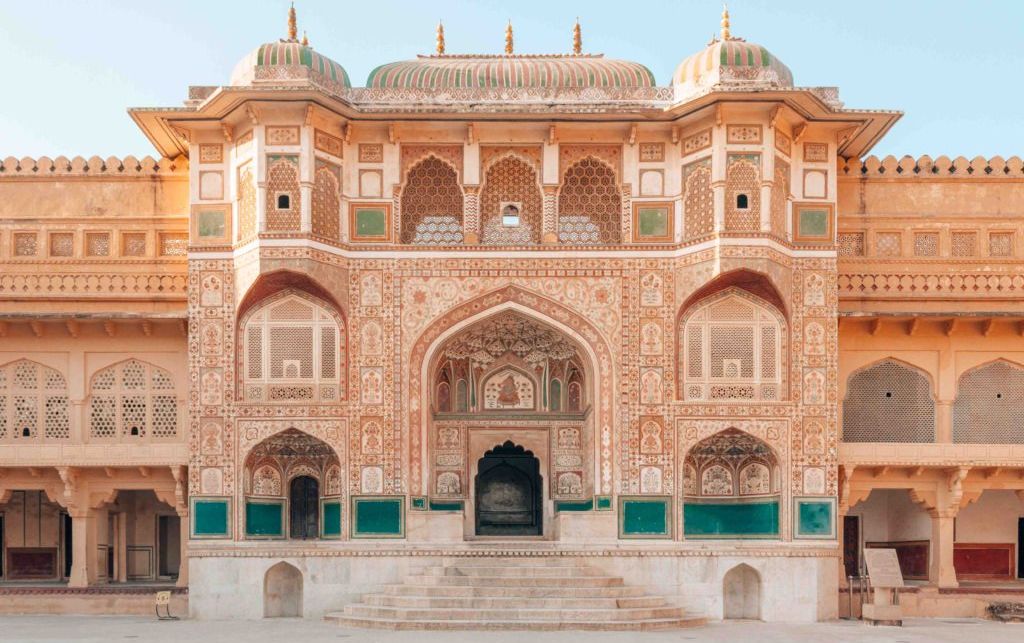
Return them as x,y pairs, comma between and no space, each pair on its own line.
943,166
94,166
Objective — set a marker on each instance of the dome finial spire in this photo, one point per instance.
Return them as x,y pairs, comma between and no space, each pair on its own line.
725,23
293,29
440,38
508,38
305,39
577,38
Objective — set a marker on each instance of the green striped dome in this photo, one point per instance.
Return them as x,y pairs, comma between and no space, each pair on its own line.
486,72
284,54
732,60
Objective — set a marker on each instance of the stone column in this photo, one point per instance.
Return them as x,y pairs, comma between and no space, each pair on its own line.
549,225
83,547
183,564
121,542
944,421
259,168
306,207
941,571
471,215
718,191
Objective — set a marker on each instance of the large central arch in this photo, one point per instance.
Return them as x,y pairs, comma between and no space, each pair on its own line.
593,346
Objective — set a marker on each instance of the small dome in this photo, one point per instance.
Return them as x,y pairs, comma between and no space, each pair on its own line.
730,62
288,60
510,71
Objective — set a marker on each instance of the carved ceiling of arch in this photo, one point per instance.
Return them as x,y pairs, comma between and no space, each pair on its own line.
510,332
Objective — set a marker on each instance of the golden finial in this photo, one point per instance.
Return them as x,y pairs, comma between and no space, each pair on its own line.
305,39
440,38
293,30
508,38
725,23
577,38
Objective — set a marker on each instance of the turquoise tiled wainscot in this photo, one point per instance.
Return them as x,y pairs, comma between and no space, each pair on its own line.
210,516
330,518
814,518
574,505
378,517
645,517
446,505
729,518
264,518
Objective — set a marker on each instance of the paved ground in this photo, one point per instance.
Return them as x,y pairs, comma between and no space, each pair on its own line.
107,629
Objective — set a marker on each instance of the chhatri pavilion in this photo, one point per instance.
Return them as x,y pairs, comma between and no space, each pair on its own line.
510,341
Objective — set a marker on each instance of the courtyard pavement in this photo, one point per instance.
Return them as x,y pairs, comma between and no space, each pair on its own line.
107,629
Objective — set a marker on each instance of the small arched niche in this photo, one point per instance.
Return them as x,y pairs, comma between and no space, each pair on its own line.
282,591
741,593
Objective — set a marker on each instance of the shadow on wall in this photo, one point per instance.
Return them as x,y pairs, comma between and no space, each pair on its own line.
282,591
741,593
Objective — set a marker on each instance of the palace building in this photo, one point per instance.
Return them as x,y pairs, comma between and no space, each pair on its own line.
510,340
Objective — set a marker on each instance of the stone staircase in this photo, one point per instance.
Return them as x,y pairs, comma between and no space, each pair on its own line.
513,594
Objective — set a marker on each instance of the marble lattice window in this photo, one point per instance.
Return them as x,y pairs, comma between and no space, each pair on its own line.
173,244
887,244
732,350
589,204
964,244
133,399
850,244
294,351
888,402
33,402
926,244
97,244
1000,244
432,204
989,405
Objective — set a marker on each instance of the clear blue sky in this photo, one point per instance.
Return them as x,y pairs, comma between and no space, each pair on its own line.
71,68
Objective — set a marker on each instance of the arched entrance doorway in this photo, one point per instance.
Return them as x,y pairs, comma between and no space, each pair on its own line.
508,493
304,507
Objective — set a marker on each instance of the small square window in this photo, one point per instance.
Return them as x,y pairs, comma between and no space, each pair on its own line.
284,201
742,202
510,215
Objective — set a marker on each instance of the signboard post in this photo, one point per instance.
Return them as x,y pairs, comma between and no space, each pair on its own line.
886,577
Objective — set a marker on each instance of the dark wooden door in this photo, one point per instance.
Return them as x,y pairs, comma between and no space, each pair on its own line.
305,508
68,543
1020,548
508,493
851,545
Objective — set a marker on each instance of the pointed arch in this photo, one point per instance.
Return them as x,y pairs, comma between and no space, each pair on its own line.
282,591
292,346
741,593
598,365
733,346
133,398
590,203
432,202
734,491
33,401
889,401
509,178
989,404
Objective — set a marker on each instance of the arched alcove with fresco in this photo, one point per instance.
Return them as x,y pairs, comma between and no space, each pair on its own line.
288,477
731,487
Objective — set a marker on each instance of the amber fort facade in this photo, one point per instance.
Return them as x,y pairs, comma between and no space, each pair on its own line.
625,353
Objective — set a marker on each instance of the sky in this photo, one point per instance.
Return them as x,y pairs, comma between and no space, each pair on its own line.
72,68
